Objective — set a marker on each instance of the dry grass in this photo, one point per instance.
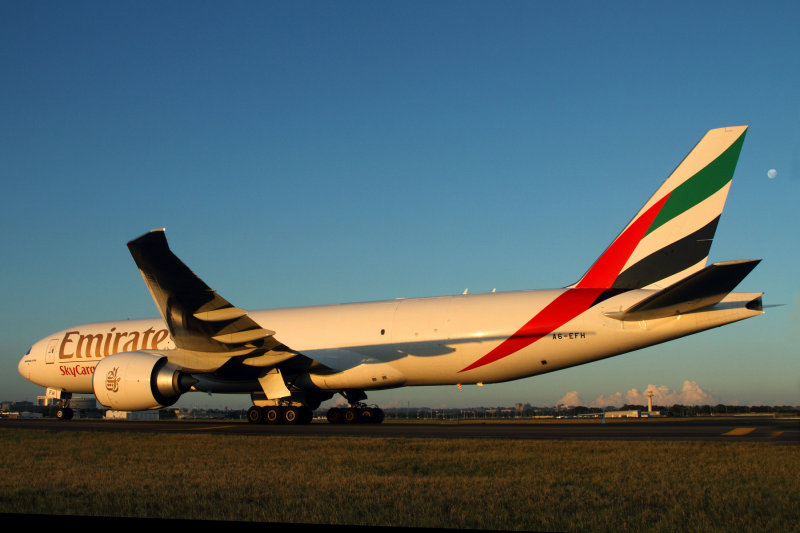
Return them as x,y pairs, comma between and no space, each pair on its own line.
487,484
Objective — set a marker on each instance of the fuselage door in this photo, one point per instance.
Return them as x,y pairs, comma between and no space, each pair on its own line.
50,353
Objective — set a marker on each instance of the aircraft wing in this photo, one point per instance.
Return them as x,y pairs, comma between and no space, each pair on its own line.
199,319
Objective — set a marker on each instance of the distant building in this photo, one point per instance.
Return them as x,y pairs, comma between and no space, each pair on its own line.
131,415
623,414
74,403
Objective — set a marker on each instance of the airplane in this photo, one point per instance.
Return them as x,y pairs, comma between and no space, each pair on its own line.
651,285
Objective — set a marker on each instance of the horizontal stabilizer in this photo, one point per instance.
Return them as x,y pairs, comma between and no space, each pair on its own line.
702,289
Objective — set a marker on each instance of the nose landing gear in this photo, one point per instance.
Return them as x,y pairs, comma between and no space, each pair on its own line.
61,399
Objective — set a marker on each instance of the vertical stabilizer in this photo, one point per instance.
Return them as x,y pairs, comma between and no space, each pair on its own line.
670,237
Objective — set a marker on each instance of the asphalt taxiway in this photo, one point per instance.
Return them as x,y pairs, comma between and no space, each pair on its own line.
777,430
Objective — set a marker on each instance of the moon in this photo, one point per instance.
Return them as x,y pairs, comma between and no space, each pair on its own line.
771,173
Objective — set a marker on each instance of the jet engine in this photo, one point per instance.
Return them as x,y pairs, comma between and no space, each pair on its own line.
136,381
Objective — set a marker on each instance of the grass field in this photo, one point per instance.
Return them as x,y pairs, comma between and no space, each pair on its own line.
487,484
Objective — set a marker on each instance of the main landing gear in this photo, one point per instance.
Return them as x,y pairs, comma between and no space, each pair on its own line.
292,414
280,414
297,411
355,414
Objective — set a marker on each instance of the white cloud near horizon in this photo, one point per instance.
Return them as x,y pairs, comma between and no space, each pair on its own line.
690,394
570,399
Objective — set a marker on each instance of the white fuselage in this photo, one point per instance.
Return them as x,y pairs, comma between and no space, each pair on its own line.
421,341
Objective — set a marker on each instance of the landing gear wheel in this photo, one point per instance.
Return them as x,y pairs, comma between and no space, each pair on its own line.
273,415
291,415
334,415
351,415
255,415
366,415
372,415
64,413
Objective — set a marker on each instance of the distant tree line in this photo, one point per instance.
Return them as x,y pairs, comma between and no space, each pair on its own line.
517,411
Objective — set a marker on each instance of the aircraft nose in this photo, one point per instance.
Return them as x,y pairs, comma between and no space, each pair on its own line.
24,367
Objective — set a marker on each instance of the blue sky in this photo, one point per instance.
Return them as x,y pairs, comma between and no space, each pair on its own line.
321,152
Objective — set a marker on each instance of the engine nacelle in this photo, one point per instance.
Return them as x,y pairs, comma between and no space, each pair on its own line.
136,381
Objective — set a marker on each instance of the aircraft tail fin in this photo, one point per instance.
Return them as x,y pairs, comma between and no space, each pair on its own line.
697,291
670,237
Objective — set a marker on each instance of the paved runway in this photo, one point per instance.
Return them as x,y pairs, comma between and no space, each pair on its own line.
779,431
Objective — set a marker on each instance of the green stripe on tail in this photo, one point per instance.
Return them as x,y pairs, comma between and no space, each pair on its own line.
700,186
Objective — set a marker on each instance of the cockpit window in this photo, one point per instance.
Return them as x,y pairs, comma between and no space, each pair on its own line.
29,351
